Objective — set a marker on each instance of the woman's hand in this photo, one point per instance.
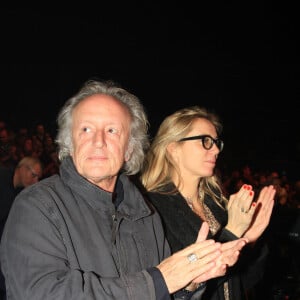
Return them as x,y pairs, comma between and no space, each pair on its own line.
261,218
240,210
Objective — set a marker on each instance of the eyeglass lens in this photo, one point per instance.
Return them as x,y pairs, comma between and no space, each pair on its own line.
208,142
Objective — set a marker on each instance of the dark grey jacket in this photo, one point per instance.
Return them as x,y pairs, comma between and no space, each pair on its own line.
65,240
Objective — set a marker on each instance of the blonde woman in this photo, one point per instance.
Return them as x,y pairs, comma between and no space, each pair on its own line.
179,177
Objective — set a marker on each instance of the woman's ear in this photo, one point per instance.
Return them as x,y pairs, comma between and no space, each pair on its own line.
172,149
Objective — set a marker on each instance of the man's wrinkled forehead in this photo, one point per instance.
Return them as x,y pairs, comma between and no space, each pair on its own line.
102,107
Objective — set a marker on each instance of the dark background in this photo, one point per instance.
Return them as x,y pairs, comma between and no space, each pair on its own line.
240,60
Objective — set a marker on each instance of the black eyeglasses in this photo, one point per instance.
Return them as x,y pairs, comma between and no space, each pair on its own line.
207,141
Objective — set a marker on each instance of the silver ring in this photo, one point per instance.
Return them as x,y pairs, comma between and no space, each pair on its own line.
192,257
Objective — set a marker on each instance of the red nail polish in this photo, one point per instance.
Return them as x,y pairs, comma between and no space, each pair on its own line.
245,187
251,193
253,204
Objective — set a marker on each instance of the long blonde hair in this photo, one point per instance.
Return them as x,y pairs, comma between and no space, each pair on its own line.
159,165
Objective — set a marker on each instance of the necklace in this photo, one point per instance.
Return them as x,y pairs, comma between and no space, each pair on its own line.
189,202
196,206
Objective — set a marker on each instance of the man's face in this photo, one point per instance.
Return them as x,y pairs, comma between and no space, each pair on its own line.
100,133
29,175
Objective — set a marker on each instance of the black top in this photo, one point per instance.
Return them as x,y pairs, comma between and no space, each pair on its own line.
182,225
7,194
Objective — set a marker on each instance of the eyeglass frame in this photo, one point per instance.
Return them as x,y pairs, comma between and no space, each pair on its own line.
218,142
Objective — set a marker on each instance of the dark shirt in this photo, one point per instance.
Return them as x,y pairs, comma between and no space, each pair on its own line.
7,194
181,226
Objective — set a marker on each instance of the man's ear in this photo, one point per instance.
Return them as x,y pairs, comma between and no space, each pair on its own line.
128,153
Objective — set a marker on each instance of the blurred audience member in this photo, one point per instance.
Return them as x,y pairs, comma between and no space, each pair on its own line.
12,180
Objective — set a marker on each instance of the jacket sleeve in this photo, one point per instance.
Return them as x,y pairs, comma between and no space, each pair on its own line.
161,289
37,265
253,261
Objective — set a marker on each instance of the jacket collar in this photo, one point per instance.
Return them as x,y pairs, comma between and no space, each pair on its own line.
127,198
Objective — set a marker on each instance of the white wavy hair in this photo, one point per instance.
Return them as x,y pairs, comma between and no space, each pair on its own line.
138,139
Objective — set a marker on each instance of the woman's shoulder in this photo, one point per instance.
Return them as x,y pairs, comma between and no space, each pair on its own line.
158,197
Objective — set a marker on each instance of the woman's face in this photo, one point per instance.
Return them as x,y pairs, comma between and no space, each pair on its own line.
192,159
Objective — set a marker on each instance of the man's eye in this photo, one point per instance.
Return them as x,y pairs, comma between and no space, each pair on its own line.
112,130
86,129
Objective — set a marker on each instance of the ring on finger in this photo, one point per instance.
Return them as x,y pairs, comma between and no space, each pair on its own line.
192,257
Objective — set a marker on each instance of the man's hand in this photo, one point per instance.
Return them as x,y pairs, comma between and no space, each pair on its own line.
179,270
